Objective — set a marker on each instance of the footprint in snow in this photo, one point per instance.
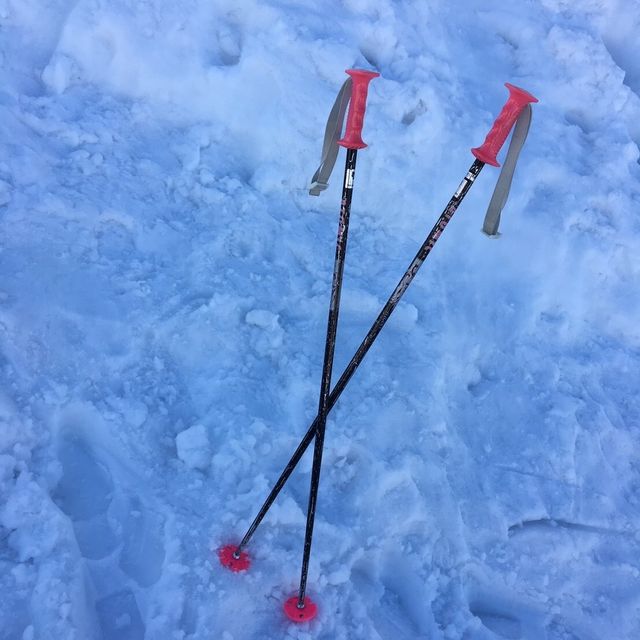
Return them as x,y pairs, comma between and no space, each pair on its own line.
142,551
399,602
119,616
503,623
507,617
85,493
120,540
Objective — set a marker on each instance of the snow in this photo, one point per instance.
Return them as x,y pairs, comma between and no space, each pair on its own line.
192,446
163,304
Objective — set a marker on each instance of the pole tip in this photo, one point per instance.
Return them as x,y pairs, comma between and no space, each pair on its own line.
232,560
300,614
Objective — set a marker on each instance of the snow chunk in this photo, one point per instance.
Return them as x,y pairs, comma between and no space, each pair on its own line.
406,316
262,318
34,523
193,447
339,576
58,74
271,340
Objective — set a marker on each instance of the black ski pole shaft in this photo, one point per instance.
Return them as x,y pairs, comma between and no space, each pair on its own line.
352,140
330,343
486,153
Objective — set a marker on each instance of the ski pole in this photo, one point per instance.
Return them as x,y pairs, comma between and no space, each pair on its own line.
486,153
304,608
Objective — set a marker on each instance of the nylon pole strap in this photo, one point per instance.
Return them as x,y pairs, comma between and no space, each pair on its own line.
332,133
501,192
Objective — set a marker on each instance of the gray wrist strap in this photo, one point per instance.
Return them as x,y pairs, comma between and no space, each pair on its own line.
501,192
320,180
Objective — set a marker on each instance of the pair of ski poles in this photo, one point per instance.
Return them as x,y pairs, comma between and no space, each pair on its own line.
300,608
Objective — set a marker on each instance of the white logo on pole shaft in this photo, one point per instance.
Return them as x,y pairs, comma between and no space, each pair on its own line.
463,184
348,181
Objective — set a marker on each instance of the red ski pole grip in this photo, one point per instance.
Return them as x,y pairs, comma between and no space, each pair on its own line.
352,138
518,100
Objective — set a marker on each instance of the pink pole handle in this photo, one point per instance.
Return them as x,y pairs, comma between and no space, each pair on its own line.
352,138
518,100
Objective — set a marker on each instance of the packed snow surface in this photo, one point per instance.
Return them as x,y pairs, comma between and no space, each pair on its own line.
163,300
